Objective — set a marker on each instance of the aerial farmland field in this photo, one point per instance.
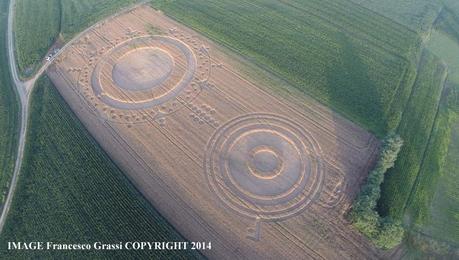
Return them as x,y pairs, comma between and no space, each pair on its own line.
186,135
262,129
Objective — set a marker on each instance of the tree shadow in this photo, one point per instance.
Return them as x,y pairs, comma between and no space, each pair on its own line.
351,88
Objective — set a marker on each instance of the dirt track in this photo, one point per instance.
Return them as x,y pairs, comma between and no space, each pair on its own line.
21,90
259,172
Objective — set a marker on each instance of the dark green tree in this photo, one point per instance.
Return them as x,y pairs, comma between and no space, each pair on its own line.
383,232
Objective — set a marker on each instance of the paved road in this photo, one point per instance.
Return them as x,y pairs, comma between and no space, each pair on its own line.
24,88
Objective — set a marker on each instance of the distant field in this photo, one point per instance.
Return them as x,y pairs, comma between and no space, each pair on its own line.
435,201
440,189
448,23
447,48
70,191
432,167
39,23
433,205
445,206
415,131
338,52
9,110
416,14
77,15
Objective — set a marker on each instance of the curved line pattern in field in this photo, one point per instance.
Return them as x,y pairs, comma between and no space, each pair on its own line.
174,91
294,154
166,98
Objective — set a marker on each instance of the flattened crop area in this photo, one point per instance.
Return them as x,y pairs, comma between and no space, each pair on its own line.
224,159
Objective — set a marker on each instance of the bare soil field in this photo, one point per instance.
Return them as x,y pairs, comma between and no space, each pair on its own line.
224,158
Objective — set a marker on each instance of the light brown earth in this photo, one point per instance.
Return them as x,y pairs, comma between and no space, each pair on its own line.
260,171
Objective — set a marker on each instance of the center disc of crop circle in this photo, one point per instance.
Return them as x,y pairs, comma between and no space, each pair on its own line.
253,163
142,69
264,162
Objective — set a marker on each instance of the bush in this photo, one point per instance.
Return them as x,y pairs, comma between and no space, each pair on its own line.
383,232
366,221
390,234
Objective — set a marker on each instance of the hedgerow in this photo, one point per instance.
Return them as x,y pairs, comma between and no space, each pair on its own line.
384,232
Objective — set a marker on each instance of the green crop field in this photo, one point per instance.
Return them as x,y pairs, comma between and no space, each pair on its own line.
415,131
447,49
349,58
436,203
9,110
445,205
419,15
71,192
77,15
433,206
432,167
40,23
448,22
416,14
36,28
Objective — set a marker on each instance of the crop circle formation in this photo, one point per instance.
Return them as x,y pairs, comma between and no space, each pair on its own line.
264,166
165,66
142,78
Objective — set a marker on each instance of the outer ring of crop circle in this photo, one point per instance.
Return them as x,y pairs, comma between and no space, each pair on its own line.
263,213
187,78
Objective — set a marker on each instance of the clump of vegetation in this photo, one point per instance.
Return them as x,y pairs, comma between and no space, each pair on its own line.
153,30
384,232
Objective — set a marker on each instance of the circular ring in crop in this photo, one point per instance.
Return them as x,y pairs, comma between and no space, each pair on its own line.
264,166
143,72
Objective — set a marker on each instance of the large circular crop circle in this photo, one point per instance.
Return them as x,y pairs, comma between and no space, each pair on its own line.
159,67
264,166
